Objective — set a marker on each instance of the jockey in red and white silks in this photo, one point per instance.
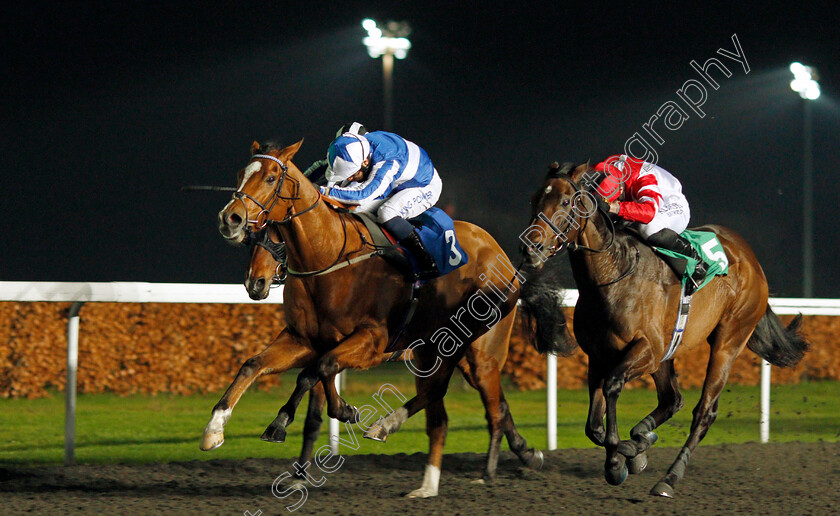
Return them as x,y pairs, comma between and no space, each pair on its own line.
653,197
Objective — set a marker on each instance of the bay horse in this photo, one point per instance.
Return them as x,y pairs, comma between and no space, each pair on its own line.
626,312
343,303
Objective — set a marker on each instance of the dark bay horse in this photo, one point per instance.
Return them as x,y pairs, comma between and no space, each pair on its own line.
625,316
344,317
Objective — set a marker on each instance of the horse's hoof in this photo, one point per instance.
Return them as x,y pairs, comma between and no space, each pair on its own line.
478,481
537,461
637,464
651,437
212,441
662,489
616,477
274,435
377,432
423,492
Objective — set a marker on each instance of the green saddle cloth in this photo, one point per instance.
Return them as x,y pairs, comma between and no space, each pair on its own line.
709,248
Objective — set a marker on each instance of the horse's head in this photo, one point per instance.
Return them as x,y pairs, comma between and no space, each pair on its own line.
267,190
265,268
559,210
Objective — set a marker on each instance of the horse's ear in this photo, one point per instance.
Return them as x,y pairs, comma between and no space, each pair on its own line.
255,147
289,152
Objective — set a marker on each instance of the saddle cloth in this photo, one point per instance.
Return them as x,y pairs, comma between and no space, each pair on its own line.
437,232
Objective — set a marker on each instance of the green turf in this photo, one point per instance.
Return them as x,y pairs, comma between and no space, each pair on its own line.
168,428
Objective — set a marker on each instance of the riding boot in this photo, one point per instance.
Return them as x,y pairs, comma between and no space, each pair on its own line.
428,267
673,241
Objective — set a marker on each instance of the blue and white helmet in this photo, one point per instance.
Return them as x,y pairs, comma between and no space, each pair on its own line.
345,156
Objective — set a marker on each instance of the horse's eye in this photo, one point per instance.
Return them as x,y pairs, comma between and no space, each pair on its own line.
565,202
270,179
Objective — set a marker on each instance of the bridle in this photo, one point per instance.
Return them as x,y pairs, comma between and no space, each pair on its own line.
264,215
561,240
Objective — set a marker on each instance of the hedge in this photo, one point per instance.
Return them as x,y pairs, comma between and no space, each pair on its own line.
149,348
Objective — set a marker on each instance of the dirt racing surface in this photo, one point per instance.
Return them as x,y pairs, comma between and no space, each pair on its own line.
791,478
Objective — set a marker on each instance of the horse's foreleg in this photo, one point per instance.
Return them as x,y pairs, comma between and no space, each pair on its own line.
637,361
285,352
436,427
723,354
276,431
597,406
361,350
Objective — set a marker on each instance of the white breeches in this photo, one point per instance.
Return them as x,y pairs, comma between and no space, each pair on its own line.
673,215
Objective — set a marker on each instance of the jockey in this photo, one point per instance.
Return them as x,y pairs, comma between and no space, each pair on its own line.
385,174
653,199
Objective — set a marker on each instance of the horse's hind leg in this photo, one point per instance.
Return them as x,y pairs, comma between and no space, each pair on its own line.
285,352
307,381
485,359
728,343
436,427
312,425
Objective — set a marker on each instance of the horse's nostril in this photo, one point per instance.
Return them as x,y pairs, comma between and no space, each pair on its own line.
234,220
259,284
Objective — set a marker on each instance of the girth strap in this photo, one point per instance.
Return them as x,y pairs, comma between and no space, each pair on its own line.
679,326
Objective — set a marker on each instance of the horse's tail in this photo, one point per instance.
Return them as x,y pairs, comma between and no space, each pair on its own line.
783,347
543,318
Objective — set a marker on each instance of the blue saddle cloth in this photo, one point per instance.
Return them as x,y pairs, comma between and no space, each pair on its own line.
437,232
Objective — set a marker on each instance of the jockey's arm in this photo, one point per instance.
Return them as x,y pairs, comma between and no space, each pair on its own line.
377,184
637,211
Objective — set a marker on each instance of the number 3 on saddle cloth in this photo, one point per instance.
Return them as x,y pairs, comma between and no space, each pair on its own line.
708,247
437,232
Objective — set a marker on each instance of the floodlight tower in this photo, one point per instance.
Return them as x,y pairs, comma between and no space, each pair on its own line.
388,42
805,83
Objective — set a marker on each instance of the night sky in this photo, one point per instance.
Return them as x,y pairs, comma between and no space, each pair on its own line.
110,108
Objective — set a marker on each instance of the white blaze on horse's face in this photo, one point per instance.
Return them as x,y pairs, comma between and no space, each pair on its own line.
250,170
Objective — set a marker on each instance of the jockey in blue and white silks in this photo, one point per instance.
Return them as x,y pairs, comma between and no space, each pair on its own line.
386,175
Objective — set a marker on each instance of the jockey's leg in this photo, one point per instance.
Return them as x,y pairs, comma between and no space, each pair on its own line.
673,241
394,213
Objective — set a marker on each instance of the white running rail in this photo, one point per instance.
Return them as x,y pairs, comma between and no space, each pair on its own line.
80,293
